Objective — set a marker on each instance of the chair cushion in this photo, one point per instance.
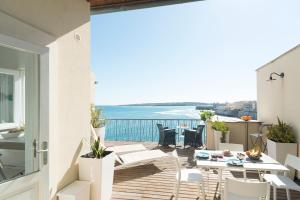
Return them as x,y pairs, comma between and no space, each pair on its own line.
190,175
281,181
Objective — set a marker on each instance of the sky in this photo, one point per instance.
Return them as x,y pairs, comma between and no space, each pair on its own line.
204,51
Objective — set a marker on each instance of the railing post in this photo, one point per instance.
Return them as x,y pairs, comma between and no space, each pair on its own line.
178,137
116,130
140,130
152,130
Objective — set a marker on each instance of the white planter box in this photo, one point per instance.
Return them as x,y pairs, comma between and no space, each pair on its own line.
100,132
217,138
279,151
100,172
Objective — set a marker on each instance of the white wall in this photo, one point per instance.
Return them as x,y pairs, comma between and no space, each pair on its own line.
280,97
93,87
54,23
72,103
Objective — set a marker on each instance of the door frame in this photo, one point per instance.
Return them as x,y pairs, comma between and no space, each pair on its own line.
38,182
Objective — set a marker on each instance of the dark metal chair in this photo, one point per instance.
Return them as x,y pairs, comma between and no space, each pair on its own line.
166,136
193,137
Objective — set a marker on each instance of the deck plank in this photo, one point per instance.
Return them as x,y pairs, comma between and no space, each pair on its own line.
156,180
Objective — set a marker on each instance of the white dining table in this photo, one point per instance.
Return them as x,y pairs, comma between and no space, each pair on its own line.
266,163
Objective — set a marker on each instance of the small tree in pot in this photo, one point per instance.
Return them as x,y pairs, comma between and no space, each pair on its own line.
206,115
97,167
221,133
98,122
281,141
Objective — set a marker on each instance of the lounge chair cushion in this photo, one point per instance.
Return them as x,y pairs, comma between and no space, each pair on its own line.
141,156
127,148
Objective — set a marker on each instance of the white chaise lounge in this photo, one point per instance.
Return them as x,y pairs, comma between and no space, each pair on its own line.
130,155
133,154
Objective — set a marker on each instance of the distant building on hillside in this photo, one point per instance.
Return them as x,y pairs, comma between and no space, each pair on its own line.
236,109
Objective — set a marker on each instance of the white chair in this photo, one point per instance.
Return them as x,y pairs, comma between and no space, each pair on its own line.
231,147
241,190
278,181
187,175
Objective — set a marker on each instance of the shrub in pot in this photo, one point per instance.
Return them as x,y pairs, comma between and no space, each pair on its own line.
221,133
98,122
97,167
281,141
206,115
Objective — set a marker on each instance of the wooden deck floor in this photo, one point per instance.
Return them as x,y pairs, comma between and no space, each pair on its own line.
156,180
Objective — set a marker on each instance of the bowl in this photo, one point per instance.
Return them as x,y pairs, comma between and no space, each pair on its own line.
11,135
254,157
227,153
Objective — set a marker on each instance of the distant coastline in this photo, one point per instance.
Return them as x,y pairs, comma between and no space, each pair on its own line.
171,104
234,109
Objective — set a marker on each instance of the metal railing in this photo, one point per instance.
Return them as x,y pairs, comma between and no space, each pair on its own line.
144,129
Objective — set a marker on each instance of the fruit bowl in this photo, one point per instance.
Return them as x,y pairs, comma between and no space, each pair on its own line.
253,155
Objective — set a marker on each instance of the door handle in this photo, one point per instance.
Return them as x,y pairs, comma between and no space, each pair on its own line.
43,150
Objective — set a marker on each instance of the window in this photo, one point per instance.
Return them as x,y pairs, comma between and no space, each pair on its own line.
6,98
12,96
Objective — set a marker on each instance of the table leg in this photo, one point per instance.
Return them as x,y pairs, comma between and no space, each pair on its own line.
261,174
274,193
220,181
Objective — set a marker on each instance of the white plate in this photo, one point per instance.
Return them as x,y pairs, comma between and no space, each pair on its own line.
235,162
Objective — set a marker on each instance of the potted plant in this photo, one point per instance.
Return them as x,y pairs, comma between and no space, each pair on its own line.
221,133
281,141
98,122
97,167
206,115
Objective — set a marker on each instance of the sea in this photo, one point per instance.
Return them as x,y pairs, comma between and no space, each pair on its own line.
150,112
139,123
